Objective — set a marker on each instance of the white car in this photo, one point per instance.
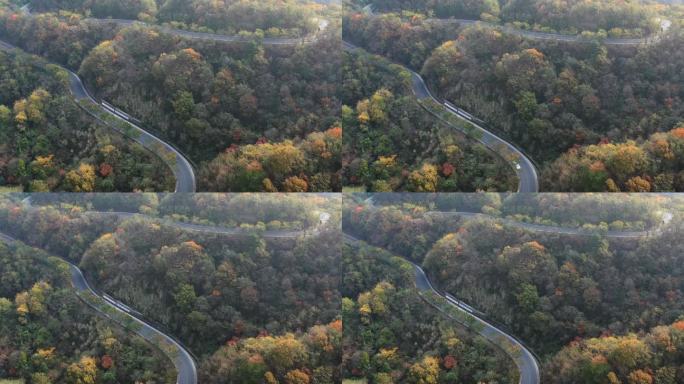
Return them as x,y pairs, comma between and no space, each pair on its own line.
517,166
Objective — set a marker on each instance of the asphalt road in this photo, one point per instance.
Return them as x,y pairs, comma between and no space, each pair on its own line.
664,26
548,228
525,361
553,36
528,181
322,25
216,229
666,219
180,166
183,361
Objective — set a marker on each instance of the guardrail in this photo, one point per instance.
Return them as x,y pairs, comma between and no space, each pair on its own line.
153,131
97,301
503,327
127,130
467,318
135,313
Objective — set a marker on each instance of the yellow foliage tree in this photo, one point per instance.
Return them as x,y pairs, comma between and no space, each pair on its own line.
83,372
638,184
32,302
82,179
375,301
270,378
425,372
295,184
425,179
640,377
297,377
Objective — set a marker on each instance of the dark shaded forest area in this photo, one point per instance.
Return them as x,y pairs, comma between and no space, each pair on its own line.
230,17
611,17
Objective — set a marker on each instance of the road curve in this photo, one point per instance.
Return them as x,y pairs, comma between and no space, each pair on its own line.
527,364
577,38
183,361
549,228
523,166
526,361
528,180
544,228
322,26
179,164
217,229
323,220
551,36
182,169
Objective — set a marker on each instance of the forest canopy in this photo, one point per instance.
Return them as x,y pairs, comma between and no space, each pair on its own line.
593,304
235,109
618,18
50,144
42,319
612,110
382,312
230,17
393,144
228,296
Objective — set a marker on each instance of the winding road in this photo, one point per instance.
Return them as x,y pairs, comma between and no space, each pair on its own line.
555,228
322,25
183,361
180,165
526,361
664,25
535,35
528,180
223,230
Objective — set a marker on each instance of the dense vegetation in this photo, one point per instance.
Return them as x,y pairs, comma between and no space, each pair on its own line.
275,211
552,290
654,357
617,18
253,118
579,94
391,335
310,357
49,144
240,99
392,143
655,165
47,335
274,18
405,223
211,290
